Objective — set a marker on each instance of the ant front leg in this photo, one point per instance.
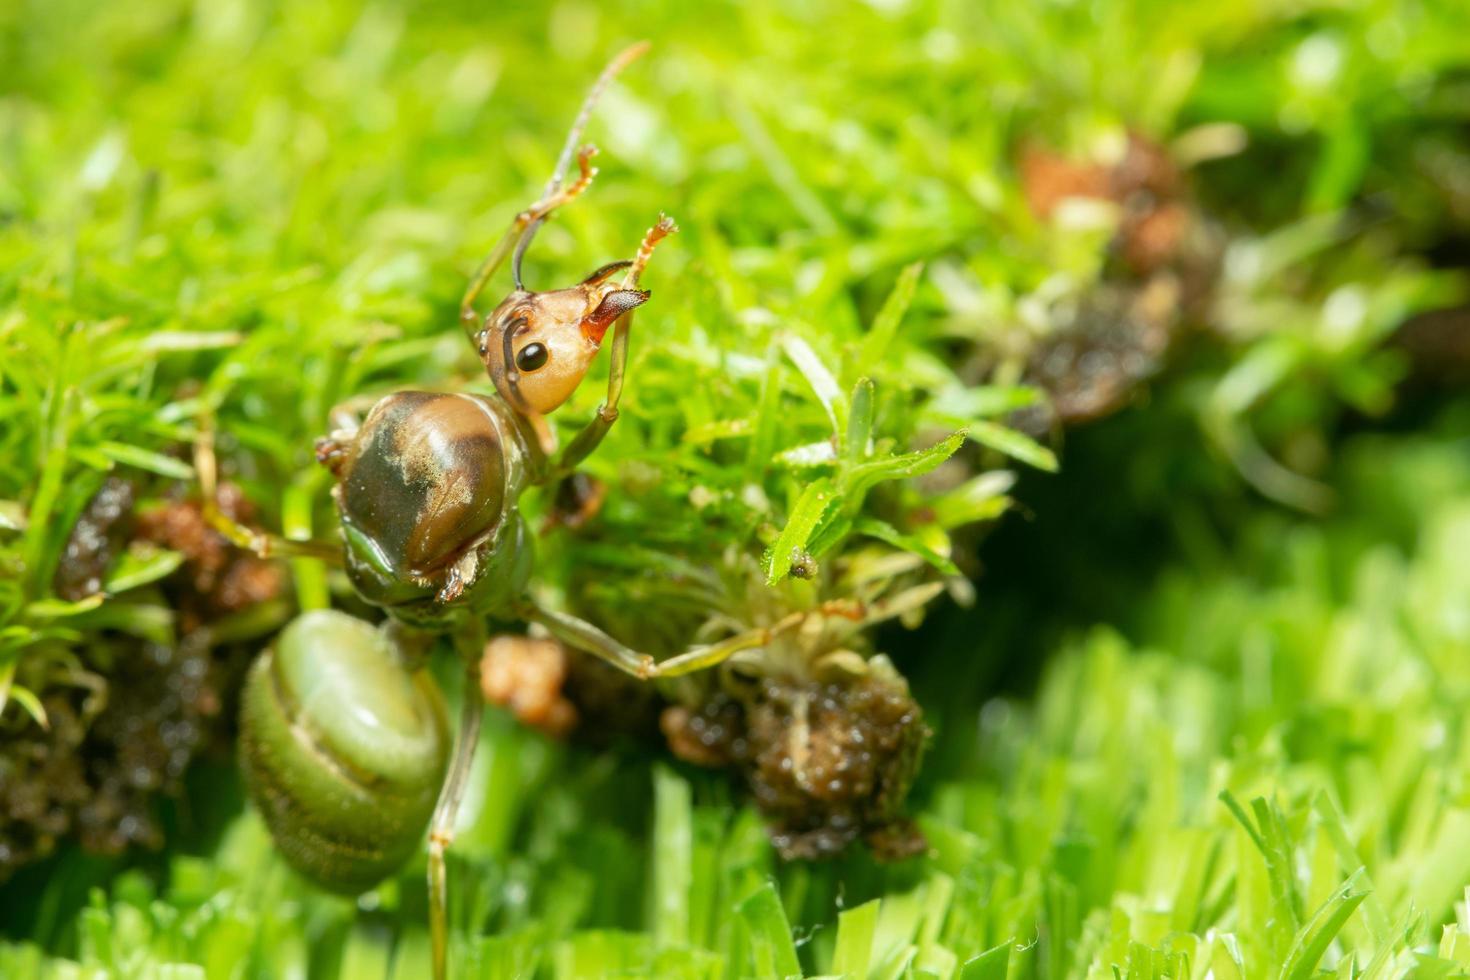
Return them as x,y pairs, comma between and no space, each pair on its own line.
261,543
522,230
584,636
595,431
592,434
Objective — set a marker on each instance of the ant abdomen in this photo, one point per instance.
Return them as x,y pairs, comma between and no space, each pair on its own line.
344,745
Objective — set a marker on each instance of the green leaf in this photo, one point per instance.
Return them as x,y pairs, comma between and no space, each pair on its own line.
140,565
830,533
146,459
886,532
309,574
60,608
856,929
770,934
1314,937
7,678
148,621
904,466
810,506
1014,444
980,498
28,701
673,838
965,405
885,325
992,964
1335,826
860,420
822,383
709,432
1345,155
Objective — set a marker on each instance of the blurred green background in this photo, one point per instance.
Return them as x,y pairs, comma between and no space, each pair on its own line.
1205,713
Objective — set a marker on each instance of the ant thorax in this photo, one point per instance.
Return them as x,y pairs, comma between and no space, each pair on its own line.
426,493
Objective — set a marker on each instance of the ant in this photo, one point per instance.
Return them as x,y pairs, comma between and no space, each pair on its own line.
427,491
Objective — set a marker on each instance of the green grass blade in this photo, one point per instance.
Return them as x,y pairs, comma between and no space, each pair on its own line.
1314,938
993,964
815,498
772,949
673,838
856,930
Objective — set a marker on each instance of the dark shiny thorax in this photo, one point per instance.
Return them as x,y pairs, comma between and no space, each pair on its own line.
428,491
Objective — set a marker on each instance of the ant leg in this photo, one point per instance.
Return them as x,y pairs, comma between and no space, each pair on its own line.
552,197
593,433
584,636
469,642
522,228
346,417
263,544
334,449
584,443
576,500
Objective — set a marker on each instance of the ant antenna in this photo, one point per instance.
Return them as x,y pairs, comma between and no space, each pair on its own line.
512,373
521,245
661,230
624,58
518,237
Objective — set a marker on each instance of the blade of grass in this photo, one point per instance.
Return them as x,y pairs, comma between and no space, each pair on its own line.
673,844
856,930
772,950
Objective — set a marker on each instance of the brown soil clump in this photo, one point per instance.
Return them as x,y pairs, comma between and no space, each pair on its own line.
828,763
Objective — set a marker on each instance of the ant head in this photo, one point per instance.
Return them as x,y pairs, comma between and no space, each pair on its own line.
538,346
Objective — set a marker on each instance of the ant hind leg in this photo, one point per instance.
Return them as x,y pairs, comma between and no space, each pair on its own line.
261,543
584,636
469,643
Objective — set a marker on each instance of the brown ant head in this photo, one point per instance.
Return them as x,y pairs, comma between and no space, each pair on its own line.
537,347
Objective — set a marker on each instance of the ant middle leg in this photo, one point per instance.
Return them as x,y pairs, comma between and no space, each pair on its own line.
335,449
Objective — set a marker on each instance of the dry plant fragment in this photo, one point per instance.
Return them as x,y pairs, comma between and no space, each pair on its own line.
220,579
1164,257
828,763
525,675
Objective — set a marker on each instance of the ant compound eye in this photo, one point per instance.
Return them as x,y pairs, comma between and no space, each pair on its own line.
532,357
